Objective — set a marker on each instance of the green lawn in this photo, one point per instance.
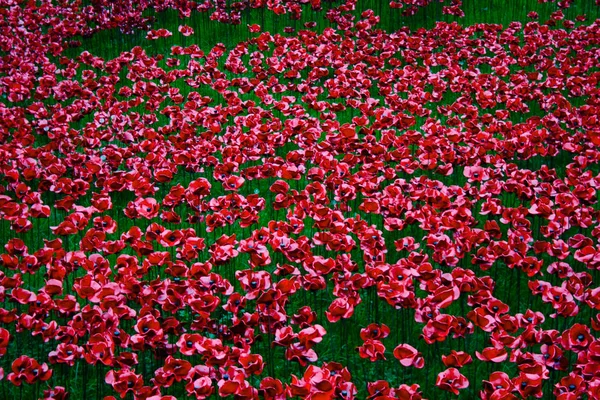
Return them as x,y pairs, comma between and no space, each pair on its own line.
342,338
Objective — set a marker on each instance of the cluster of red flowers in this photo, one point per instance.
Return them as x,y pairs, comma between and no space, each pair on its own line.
245,192
33,33
224,11
410,7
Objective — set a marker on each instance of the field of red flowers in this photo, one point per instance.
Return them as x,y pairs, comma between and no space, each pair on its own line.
343,199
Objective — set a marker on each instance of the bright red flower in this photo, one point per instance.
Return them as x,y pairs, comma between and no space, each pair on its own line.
4,341
124,381
56,393
409,356
499,386
457,359
340,308
492,354
451,380
185,30
372,349
576,338
144,207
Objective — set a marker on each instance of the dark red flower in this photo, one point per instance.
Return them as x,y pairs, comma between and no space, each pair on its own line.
576,338
374,331
28,370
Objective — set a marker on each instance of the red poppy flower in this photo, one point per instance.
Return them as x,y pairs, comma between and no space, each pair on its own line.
29,370
311,335
185,30
233,183
372,349
254,28
284,336
56,393
254,282
492,354
498,386
409,356
374,331
577,337
457,359
66,353
272,389
144,207
200,387
451,380
174,370
149,331
407,392
124,381
570,387
158,33
252,363
299,353
529,385
340,308
378,389
4,341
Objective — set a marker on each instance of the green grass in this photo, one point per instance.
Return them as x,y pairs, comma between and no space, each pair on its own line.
342,338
